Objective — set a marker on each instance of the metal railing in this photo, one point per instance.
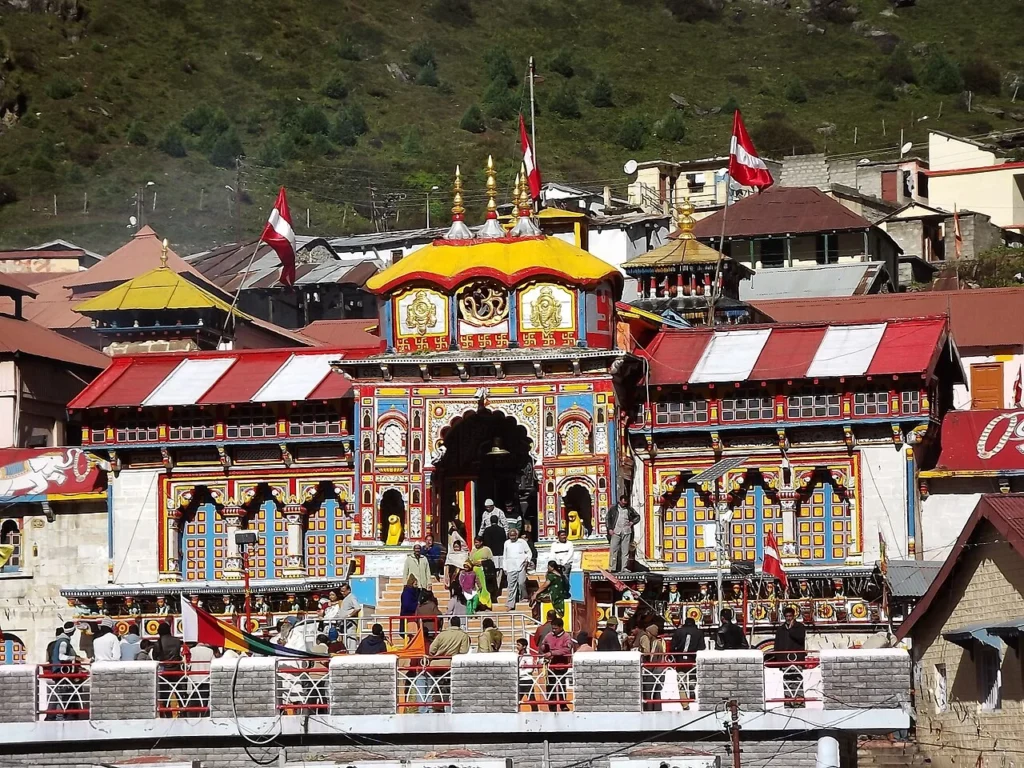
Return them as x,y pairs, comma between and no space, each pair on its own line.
552,684
792,679
424,686
63,691
667,684
303,686
183,689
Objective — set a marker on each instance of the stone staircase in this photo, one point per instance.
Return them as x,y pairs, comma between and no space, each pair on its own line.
889,754
390,601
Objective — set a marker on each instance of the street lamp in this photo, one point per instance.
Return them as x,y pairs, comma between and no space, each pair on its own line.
723,516
432,189
244,540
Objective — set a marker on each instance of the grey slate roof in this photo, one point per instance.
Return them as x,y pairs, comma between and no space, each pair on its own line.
826,280
911,578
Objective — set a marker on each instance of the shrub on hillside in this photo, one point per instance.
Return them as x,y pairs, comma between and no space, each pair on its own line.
61,87
473,120
885,91
632,133
600,94
834,11
775,136
8,194
499,101
357,119
172,142
731,106
454,13
313,121
422,54
942,75
898,68
692,11
226,149
671,127
427,76
197,119
563,102
562,63
981,76
334,87
343,132
498,65
349,51
795,91
137,135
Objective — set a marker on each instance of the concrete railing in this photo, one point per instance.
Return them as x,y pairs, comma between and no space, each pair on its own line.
475,683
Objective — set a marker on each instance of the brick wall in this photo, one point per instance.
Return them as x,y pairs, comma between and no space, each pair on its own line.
252,693
804,171
850,678
18,684
123,691
364,685
725,675
607,682
485,682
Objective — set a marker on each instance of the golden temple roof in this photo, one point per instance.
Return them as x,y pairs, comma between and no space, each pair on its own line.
685,249
509,260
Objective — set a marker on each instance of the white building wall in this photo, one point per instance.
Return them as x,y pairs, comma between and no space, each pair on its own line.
944,515
884,498
1011,368
611,245
70,550
8,403
947,153
136,540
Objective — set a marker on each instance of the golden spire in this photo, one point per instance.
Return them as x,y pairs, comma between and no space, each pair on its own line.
492,189
525,208
516,191
525,225
685,220
457,210
163,254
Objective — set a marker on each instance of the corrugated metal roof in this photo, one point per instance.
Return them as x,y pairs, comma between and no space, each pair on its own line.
851,279
911,578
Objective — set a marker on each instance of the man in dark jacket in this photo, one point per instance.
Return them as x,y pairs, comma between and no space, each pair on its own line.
730,636
620,521
686,641
789,653
373,642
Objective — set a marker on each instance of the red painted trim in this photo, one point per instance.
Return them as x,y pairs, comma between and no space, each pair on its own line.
482,240
975,169
508,280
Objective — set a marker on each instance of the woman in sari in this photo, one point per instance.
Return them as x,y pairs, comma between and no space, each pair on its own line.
555,589
454,561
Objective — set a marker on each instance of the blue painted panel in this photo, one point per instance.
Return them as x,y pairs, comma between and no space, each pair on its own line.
365,589
392,404
584,400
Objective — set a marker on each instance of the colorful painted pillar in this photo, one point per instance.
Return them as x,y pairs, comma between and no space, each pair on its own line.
295,561
232,515
911,502
172,539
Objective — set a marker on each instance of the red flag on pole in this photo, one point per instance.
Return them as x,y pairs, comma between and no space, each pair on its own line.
532,171
745,166
771,564
958,236
280,236
1018,388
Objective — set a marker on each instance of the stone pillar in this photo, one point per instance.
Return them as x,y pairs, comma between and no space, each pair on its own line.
252,688
787,500
123,691
295,559
725,675
364,685
606,681
865,679
485,682
232,515
18,683
173,562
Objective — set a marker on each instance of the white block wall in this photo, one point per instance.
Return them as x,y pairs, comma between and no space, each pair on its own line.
136,534
884,499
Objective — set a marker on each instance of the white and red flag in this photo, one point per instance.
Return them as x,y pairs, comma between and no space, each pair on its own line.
1018,388
771,563
958,235
745,166
532,171
280,236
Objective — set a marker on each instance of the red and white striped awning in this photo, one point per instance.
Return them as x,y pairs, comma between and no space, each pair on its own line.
771,353
212,378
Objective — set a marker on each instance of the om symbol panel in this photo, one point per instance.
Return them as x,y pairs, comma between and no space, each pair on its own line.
547,316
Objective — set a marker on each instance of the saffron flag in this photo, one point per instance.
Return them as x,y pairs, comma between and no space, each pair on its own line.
1018,388
532,171
6,551
198,626
415,648
958,236
280,236
771,564
745,166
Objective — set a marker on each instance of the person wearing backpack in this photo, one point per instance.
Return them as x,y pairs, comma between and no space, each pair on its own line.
60,655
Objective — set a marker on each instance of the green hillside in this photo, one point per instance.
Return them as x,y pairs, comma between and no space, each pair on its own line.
113,94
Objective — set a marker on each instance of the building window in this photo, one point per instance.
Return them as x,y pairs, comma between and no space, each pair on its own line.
939,689
910,402
98,434
189,427
314,421
139,430
871,404
575,438
989,684
251,422
748,409
826,249
811,404
391,438
685,412
773,253
10,536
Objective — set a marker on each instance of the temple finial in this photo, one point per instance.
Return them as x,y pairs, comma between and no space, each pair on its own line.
685,220
491,228
517,190
458,230
525,225
163,254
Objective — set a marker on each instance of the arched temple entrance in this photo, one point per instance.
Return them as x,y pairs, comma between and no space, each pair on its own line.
486,456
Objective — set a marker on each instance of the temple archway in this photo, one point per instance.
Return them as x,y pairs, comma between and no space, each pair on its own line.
392,517
486,455
578,498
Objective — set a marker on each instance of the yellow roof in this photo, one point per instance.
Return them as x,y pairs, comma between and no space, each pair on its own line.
683,250
559,213
508,260
160,288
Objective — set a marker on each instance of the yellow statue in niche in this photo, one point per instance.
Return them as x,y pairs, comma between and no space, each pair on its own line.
546,311
421,314
575,526
394,537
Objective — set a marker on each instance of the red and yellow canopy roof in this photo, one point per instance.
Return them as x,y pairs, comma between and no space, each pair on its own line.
509,260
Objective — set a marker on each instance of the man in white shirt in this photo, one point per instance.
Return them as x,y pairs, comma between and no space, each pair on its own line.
517,563
562,552
106,646
350,608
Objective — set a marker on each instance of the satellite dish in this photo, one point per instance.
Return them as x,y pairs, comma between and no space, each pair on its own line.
630,167
722,172
864,161
132,221
906,148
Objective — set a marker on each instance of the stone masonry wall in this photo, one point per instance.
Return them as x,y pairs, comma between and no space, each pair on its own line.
122,691
18,684
725,675
485,682
850,679
254,691
364,685
607,681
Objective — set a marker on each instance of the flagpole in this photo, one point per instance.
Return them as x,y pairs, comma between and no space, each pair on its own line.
238,291
533,128
718,263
